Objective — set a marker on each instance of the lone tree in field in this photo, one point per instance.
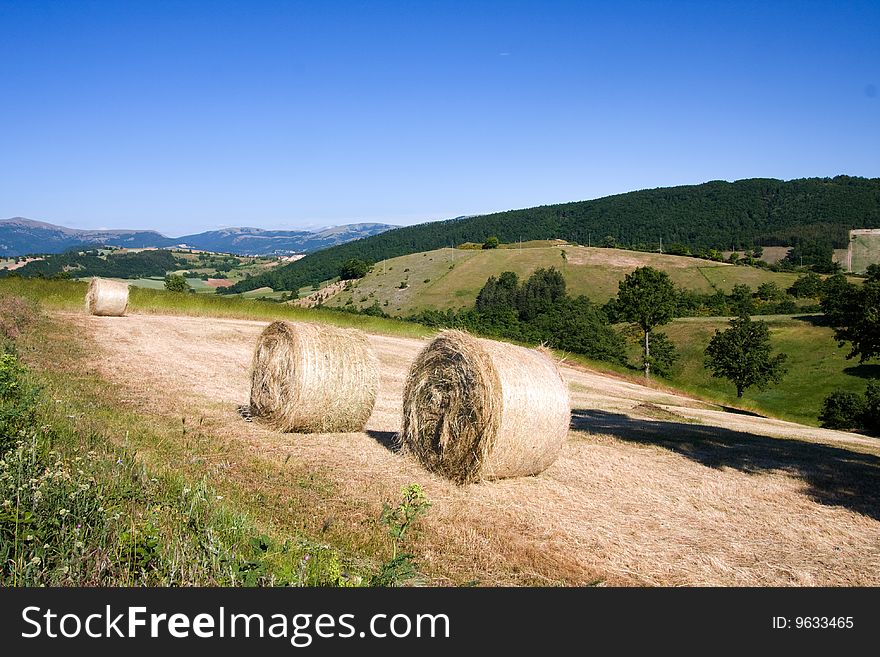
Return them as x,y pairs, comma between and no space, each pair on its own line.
742,354
646,297
176,283
491,243
353,269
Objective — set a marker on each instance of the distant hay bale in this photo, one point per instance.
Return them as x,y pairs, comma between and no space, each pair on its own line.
107,298
310,378
477,409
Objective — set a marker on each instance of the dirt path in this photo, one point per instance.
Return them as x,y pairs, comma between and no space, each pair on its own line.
651,488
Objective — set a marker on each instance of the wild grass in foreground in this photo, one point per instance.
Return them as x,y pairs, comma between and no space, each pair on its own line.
79,508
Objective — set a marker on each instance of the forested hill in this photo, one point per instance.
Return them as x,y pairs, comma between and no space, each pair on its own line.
718,214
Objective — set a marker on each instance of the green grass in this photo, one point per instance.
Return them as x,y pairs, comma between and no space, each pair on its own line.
816,367
455,276
865,248
197,284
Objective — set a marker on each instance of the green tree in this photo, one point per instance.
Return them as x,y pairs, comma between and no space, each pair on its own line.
647,298
742,354
501,292
769,291
579,326
540,292
854,312
176,283
663,354
816,253
808,286
353,269
491,243
741,299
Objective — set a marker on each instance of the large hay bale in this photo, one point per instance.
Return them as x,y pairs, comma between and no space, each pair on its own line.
477,409
107,298
310,378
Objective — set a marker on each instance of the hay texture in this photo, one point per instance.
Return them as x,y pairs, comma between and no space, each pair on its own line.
107,298
477,409
310,378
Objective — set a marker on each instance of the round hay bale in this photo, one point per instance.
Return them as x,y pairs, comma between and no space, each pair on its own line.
311,378
477,409
107,298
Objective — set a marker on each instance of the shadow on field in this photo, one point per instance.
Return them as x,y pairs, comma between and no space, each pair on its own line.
816,320
864,370
740,411
388,439
835,476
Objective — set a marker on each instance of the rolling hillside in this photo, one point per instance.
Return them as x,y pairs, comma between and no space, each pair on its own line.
718,214
451,278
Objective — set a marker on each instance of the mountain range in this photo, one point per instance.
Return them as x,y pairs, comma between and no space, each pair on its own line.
20,236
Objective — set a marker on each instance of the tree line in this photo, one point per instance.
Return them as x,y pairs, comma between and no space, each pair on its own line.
539,311
140,264
694,218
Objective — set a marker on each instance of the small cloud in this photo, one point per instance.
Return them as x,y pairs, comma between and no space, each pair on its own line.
504,54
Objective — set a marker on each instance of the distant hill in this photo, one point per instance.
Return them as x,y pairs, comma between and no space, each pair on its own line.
719,215
255,241
20,236
117,264
450,279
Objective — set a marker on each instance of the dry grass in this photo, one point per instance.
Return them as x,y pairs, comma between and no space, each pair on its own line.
477,409
733,500
321,295
309,378
107,298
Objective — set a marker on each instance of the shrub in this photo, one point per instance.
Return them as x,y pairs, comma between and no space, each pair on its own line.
176,283
842,410
353,269
871,418
808,286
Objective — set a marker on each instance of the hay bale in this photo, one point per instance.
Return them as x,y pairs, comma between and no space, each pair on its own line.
107,298
310,378
478,409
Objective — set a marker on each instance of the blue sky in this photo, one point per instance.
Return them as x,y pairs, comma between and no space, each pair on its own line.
184,116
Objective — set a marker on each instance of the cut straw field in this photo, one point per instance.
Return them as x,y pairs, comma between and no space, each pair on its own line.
650,488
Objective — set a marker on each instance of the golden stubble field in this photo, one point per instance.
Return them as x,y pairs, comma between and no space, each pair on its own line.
652,488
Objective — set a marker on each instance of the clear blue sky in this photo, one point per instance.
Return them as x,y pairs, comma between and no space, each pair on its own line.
184,116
